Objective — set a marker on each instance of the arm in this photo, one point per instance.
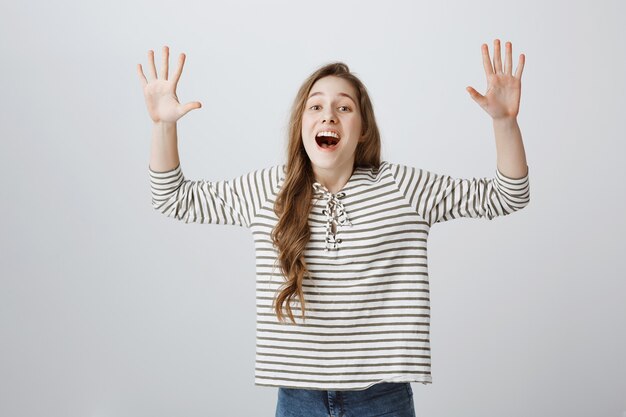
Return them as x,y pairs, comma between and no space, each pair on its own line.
501,102
235,202
510,148
220,202
164,110
164,149
438,198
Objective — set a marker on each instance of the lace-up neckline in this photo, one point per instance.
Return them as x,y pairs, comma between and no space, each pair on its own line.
335,213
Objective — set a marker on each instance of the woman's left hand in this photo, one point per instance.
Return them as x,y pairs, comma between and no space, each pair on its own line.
502,98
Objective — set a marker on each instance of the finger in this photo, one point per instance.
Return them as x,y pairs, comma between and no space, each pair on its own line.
165,62
179,69
520,66
486,60
497,61
142,77
190,106
153,73
476,96
507,58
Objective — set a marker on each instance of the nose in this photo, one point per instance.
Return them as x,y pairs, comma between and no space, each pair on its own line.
329,116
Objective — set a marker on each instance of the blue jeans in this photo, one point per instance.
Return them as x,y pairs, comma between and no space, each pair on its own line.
389,399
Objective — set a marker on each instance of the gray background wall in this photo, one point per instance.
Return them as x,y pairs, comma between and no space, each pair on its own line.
109,309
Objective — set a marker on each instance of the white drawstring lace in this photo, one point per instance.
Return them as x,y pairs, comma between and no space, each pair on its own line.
334,212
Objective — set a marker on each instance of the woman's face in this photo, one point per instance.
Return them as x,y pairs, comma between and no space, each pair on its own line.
331,106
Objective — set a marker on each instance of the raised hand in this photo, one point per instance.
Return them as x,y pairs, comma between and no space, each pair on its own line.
502,98
160,93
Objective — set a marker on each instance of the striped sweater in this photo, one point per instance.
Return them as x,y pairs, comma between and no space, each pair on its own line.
367,297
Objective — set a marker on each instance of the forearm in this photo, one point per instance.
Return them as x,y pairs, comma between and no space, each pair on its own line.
510,148
164,150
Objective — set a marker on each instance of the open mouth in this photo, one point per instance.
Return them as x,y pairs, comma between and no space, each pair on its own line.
326,141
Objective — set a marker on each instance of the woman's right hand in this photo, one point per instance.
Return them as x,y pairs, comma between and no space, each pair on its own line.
160,93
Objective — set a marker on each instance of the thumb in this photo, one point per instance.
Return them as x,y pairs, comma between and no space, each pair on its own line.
475,95
191,106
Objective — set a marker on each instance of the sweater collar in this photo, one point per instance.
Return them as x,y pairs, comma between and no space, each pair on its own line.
334,211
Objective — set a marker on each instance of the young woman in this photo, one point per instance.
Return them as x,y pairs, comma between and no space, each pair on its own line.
340,236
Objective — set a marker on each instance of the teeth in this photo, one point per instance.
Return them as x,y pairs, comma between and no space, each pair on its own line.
333,134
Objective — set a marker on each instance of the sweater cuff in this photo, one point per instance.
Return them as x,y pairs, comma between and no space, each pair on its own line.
510,180
164,174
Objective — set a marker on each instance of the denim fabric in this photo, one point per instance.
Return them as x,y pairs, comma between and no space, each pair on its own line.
388,399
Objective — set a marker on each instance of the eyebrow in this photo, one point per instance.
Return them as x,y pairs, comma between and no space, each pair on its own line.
340,94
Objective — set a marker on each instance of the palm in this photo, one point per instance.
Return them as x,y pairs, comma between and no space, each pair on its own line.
160,93
502,98
161,100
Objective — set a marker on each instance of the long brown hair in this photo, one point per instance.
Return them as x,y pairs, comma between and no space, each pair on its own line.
293,203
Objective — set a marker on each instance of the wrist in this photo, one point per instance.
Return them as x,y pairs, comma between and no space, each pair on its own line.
509,121
164,124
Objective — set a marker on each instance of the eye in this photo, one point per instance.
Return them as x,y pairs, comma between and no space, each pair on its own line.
317,105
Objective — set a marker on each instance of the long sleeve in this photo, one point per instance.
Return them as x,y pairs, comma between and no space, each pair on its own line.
438,198
228,202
